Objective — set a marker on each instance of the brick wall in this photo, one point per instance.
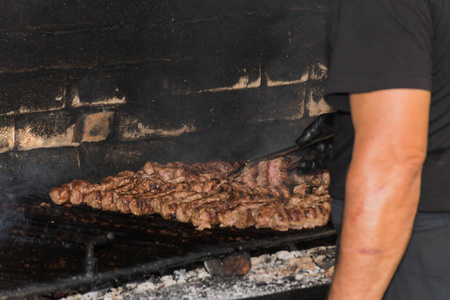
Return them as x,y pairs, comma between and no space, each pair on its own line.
90,88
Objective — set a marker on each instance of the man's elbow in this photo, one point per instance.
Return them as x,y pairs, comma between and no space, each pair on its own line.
391,155
403,162
411,158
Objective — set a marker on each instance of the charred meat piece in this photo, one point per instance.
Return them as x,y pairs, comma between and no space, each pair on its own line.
248,175
263,173
186,209
283,218
206,215
60,195
78,189
140,205
277,173
241,216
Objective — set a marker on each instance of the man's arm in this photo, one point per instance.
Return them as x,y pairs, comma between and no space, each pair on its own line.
382,189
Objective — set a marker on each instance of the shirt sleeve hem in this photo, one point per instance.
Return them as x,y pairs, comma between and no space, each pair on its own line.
337,91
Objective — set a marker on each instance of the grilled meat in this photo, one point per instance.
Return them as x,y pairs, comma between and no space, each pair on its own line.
203,195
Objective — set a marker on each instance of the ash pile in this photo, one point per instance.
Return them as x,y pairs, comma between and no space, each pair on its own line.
270,274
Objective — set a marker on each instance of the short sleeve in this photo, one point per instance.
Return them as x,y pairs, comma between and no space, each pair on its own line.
377,44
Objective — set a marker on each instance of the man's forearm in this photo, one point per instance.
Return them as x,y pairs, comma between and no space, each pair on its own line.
378,218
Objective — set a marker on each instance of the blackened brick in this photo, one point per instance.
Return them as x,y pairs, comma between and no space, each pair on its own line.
300,37
63,15
241,38
146,82
96,87
31,92
46,130
213,73
288,69
38,171
177,115
30,51
6,133
188,11
10,12
99,160
319,62
315,103
239,143
129,45
302,29
96,126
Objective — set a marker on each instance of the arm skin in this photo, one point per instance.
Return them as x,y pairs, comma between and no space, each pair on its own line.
382,189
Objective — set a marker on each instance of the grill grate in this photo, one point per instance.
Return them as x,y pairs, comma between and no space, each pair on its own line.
55,250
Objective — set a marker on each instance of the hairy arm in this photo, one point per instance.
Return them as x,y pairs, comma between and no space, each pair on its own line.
382,189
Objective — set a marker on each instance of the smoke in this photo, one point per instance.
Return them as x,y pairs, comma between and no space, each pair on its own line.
23,179
10,218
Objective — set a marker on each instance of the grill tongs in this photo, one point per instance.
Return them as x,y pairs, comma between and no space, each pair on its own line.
236,172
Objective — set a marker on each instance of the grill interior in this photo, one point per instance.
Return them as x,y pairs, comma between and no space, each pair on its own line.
91,88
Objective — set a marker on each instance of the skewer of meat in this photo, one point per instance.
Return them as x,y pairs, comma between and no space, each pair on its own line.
203,195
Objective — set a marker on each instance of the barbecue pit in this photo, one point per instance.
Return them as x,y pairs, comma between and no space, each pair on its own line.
93,88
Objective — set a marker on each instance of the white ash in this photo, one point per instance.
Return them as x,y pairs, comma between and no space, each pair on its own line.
270,274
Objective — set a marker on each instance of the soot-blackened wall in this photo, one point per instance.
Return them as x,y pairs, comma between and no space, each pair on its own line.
90,88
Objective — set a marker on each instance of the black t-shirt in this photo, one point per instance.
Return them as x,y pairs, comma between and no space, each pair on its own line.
383,44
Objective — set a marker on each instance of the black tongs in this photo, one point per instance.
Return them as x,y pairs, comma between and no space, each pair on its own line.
234,173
